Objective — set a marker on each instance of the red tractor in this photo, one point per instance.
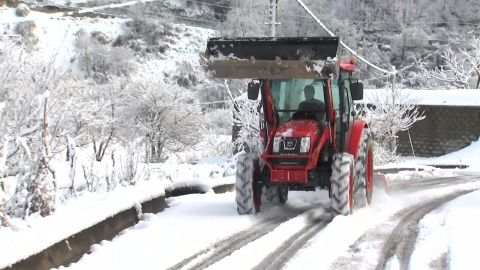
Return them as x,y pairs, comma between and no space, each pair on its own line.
310,137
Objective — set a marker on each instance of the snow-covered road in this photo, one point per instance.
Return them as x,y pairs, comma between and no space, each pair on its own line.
205,232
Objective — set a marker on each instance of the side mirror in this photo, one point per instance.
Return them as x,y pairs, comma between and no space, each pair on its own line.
253,89
356,88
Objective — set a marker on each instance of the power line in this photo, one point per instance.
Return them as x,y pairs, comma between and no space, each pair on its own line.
308,24
341,42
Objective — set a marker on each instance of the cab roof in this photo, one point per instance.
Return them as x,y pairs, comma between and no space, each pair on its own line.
347,66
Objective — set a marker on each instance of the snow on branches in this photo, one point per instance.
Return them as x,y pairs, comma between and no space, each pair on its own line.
388,112
166,114
458,69
30,119
246,122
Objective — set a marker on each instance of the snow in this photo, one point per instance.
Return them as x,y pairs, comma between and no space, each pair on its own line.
287,133
55,37
59,38
459,97
335,240
450,235
469,155
255,251
191,223
75,215
189,42
427,173
211,217
432,241
204,185
70,218
462,222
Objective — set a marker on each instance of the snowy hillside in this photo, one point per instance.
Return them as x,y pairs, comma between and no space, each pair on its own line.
112,98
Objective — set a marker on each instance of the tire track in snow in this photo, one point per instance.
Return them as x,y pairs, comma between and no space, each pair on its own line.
396,238
401,241
224,248
281,255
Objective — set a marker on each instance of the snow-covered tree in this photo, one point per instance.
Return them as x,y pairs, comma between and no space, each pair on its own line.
457,69
392,110
246,18
35,95
166,114
99,60
245,118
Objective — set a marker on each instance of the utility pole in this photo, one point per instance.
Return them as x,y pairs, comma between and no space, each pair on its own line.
273,17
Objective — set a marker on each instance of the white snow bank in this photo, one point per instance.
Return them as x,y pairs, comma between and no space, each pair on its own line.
458,97
208,184
428,172
462,222
432,241
469,155
22,240
451,235
212,171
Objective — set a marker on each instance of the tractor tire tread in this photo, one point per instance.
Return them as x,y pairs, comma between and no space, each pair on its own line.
360,178
340,184
244,184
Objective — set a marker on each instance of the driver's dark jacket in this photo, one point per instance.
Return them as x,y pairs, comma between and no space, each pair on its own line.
314,105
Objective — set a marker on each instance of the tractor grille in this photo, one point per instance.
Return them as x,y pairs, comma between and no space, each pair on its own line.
289,161
290,146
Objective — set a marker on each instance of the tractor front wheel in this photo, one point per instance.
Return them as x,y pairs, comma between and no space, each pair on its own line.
248,172
341,190
363,188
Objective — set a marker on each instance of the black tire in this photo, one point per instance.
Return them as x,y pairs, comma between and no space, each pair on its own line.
274,195
340,180
283,190
361,196
244,184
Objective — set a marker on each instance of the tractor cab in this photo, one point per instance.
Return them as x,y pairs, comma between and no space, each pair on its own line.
301,106
289,94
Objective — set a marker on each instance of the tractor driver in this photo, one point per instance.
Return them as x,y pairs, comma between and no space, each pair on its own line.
312,104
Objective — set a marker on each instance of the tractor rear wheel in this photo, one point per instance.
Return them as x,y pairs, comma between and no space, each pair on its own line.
363,188
341,181
274,195
248,171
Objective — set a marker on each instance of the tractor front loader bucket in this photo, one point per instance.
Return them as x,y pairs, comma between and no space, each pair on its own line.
273,58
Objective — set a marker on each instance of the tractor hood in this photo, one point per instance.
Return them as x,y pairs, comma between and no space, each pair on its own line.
298,128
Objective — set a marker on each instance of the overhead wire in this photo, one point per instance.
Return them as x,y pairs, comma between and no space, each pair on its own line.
327,19
343,43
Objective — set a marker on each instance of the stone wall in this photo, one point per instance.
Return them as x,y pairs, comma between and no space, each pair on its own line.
444,130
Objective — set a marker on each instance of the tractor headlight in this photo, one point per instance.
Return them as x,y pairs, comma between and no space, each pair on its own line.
305,145
276,144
